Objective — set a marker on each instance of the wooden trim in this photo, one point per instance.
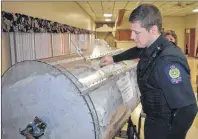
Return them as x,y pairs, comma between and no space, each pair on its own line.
123,35
120,16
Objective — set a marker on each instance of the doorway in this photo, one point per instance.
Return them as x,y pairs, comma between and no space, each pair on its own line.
189,48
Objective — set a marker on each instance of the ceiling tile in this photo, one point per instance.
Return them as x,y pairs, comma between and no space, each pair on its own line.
109,4
84,4
96,9
120,5
94,3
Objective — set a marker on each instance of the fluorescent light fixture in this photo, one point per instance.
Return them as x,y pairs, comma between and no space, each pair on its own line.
195,10
107,15
107,20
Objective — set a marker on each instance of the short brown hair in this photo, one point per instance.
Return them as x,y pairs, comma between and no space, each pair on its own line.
148,15
172,33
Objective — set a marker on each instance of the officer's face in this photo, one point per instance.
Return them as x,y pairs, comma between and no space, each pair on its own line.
141,36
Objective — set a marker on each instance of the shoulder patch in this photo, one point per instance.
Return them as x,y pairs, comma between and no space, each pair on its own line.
173,72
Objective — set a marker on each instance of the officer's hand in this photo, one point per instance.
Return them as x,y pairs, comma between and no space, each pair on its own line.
106,60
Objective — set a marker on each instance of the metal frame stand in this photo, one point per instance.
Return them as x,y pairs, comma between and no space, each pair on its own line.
131,132
142,115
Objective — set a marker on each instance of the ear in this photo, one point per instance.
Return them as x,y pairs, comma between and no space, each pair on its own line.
154,30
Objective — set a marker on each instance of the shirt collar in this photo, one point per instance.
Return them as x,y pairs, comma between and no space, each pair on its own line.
158,42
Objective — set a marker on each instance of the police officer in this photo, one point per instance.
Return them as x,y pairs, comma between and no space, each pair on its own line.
163,77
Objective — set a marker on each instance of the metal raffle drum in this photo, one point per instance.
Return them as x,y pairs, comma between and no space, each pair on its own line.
73,98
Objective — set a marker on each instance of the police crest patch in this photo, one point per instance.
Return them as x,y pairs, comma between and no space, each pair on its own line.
174,74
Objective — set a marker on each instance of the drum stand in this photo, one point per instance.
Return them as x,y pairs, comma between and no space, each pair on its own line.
131,132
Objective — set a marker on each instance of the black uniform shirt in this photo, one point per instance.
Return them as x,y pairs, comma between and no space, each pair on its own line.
170,76
173,78
131,53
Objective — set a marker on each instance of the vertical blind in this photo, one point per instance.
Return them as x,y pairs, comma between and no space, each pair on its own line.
31,46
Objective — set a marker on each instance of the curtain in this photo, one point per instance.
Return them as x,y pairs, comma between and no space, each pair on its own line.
43,45
22,46
60,44
74,43
16,22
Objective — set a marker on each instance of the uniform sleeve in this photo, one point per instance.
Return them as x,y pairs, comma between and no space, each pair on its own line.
131,53
174,80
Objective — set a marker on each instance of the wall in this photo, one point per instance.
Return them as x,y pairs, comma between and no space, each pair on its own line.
176,24
190,21
63,12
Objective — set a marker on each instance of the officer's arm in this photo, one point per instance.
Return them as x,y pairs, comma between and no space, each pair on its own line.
174,80
131,53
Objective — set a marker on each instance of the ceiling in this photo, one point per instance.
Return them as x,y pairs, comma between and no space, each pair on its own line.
97,9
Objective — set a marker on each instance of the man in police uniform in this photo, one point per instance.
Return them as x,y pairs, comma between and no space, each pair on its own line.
163,77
